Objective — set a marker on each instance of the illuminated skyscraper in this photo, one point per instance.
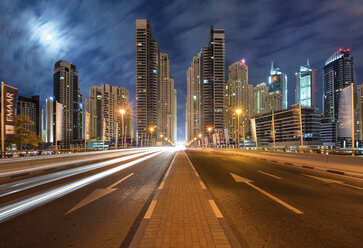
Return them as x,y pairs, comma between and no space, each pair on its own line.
147,80
31,107
307,86
167,100
212,78
193,100
338,74
277,82
238,95
260,94
66,91
360,110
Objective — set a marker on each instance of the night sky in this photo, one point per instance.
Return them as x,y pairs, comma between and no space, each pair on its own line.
99,38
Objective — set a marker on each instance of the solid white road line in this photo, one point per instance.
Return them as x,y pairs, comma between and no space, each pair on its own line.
247,181
202,184
268,174
150,210
215,209
161,185
327,180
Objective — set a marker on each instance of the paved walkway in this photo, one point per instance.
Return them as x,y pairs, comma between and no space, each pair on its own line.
182,213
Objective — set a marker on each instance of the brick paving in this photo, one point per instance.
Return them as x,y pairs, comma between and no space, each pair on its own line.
183,216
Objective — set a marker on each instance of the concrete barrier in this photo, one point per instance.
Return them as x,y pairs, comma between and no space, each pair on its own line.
340,164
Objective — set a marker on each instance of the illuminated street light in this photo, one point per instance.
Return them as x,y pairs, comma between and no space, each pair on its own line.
122,112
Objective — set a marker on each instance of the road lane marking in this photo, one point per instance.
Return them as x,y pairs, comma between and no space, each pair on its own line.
202,184
268,174
247,181
97,194
327,180
161,185
215,209
121,180
18,207
150,210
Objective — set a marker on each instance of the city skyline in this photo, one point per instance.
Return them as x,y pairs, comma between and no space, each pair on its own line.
97,64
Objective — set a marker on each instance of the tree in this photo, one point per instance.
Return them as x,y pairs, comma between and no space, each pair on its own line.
23,135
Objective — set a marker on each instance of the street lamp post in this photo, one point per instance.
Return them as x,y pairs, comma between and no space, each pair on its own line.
161,138
238,112
151,134
209,137
122,111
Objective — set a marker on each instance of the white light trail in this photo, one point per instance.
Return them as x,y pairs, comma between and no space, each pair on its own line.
26,204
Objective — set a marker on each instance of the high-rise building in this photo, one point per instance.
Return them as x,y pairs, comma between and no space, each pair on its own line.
212,78
167,99
274,101
49,119
360,110
147,80
338,74
277,82
32,108
193,128
66,91
307,86
260,95
105,103
238,95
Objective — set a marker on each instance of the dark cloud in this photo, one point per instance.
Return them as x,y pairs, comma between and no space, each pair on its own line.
98,37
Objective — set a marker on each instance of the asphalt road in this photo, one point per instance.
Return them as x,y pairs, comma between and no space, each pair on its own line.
272,205
94,208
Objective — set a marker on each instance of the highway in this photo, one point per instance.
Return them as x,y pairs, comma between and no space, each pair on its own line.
274,205
97,203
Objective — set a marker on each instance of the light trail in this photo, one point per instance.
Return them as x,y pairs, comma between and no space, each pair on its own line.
17,186
21,206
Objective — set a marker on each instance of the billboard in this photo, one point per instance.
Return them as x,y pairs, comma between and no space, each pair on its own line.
9,98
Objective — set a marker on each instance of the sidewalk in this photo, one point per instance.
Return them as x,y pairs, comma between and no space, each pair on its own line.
182,213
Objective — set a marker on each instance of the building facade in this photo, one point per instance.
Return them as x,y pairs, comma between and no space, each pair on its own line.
238,95
277,83
49,119
287,127
30,106
307,86
167,100
260,95
104,104
66,91
360,110
193,127
212,80
338,73
147,80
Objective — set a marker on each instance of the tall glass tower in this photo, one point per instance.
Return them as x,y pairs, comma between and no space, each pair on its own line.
277,82
306,86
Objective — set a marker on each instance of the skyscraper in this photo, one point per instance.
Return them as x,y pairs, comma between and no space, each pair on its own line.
31,107
49,119
147,80
66,91
212,78
193,128
238,95
277,82
260,94
167,99
105,103
307,86
360,109
338,74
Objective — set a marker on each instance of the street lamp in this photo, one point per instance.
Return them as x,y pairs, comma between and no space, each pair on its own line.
161,138
209,130
151,131
200,137
122,111
238,112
